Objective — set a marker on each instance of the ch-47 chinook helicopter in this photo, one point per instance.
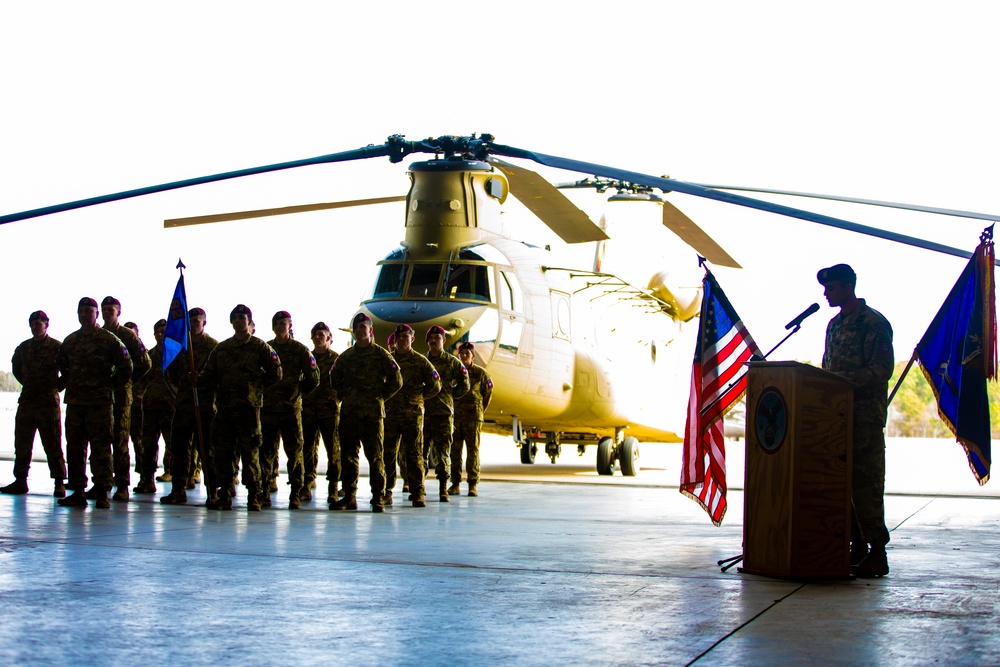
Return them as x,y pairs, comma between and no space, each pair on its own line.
579,356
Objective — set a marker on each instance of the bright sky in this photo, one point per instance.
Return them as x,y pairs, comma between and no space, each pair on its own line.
893,101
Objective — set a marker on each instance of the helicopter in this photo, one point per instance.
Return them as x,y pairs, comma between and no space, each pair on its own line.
572,350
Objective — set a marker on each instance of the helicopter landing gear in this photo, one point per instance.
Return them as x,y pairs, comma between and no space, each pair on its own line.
552,447
528,452
606,457
629,457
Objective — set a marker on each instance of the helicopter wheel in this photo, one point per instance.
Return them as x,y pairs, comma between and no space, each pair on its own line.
630,457
528,452
606,456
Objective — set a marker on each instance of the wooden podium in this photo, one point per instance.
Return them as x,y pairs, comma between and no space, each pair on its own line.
797,512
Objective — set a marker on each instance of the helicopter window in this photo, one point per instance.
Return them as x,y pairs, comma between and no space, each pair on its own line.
468,281
390,281
424,280
510,292
510,336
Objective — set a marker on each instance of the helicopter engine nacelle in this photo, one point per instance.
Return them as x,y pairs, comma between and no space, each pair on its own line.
449,203
682,303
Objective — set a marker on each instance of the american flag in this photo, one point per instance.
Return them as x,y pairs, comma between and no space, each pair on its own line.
718,382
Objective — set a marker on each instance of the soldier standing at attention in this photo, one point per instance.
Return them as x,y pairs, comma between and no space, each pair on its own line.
93,362
135,415
237,371
184,425
34,366
320,415
859,348
111,308
281,417
439,412
469,411
157,411
363,377
404,416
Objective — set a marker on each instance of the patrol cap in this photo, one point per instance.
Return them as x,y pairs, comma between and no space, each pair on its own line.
466,346
159,323
319,326
197,311
133,326
280,315
240,309
839,272
112,301
85,302
38,315
359,318
435,330
403,328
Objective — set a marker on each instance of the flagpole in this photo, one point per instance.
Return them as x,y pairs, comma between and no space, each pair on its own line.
902,377
193,374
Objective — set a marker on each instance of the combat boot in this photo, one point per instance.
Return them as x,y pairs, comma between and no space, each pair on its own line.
59,489
331,495
213,500
225,501
145,486
472,490
17,487
454,490
305,495
191,484
293,499
387,500
406,487
102,501
76,499
348,502
443,493
121,495
419,501
875,564
377,505
273,488
93,492
175,497
165,477
263,500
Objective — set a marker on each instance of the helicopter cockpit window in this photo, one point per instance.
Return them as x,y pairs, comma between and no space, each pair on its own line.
510,292
468,281
424,280
390,281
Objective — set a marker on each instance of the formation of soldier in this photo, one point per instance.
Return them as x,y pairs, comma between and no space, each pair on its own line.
223,408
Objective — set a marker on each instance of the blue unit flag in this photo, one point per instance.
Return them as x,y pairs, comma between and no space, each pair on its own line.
175,338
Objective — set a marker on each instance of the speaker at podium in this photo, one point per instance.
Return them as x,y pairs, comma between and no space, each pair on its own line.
797,485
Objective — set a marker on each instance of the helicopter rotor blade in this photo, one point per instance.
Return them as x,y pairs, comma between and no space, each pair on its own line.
695,236
285,210
669,184
853,200
551,206
389,148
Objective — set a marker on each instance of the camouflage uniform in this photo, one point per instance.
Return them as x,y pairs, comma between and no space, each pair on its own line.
281,416
438,414
135,423
183,448
404,421
469,424
363,377
320,414
123,402
93,365
157,412
34,366
237,372
859,348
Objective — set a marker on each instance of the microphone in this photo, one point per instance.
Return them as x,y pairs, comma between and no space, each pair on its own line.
797,322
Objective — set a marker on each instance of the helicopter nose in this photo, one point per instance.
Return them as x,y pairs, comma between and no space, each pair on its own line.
454,317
